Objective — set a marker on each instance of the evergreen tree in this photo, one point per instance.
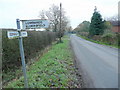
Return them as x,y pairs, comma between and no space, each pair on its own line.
96,25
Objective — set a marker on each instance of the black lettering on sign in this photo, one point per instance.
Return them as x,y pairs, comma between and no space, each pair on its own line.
11,34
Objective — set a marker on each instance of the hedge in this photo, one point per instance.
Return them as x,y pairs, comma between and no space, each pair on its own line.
112,39
34,43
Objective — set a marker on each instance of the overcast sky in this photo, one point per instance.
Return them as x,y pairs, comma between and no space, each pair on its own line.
76,10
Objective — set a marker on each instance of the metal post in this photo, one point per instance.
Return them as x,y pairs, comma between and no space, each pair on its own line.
22,54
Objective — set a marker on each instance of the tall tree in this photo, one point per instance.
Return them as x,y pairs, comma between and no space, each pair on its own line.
97,24
84,26
53,15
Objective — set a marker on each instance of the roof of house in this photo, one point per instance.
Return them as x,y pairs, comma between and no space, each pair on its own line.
115,23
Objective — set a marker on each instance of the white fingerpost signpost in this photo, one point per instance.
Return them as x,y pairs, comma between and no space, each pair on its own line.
27,24
19,34
22,53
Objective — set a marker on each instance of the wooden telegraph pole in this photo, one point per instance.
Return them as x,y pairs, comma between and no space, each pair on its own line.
60,21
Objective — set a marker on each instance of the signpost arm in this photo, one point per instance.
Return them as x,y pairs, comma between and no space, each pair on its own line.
22,54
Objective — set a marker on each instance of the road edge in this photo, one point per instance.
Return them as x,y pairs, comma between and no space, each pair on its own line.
85,79
77,69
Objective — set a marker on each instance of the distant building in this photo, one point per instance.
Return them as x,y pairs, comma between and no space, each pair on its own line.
115,26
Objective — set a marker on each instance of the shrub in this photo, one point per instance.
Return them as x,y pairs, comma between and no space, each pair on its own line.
109,38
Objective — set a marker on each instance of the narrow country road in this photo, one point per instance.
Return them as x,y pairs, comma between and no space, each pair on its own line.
98,63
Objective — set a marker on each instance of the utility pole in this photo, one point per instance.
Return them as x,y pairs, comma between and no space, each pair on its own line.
56,22
60,21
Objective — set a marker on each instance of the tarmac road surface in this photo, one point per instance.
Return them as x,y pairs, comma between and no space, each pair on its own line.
98,63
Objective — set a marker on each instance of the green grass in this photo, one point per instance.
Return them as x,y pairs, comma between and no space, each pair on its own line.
54,69
99,42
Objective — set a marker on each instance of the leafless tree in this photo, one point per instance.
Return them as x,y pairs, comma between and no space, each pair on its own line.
113,18
53,15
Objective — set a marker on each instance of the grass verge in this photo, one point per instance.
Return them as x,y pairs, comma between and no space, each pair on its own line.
98,42
53,69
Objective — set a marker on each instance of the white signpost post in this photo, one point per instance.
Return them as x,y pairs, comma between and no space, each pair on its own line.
19,34
22,52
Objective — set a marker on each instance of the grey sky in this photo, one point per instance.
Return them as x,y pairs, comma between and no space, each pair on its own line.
76,10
